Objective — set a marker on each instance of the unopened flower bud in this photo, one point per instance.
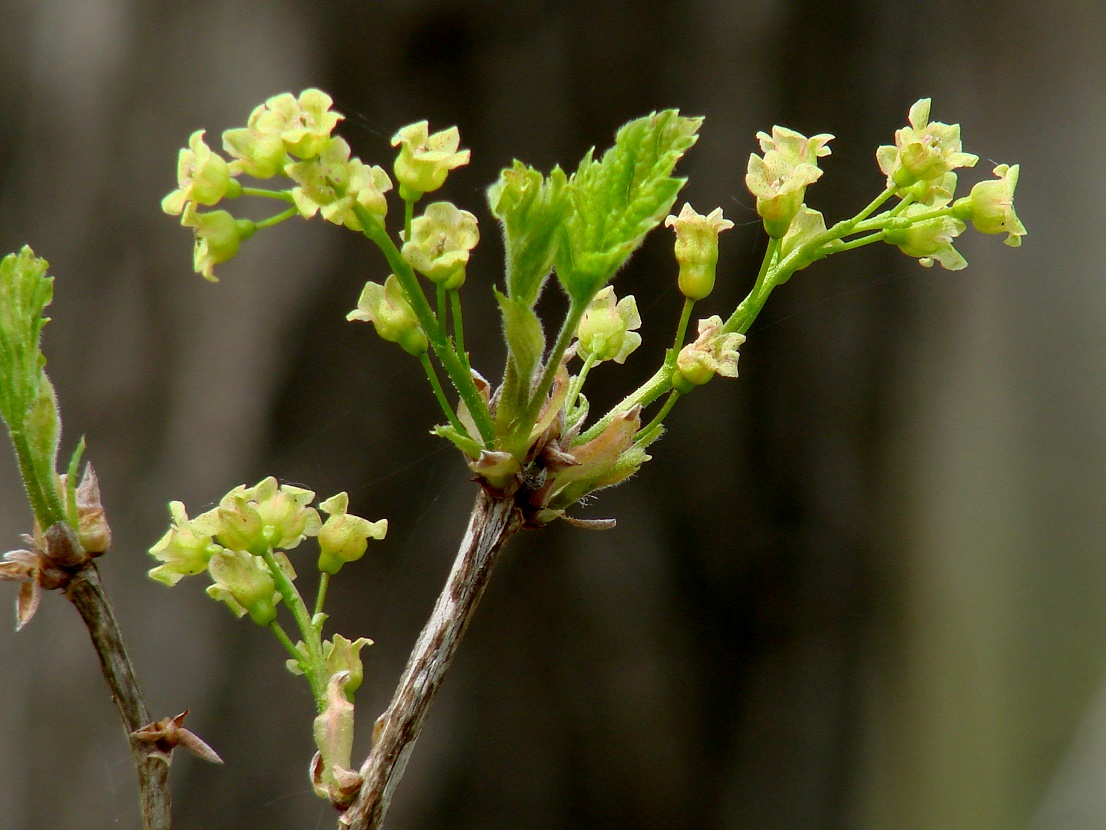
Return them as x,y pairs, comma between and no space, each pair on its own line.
425,160
388,310
697,249
344,537
606,330
93,530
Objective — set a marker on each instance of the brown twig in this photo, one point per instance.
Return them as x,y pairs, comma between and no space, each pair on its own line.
86,592
493,522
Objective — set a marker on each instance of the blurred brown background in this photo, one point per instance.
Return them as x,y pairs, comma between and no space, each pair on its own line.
862,587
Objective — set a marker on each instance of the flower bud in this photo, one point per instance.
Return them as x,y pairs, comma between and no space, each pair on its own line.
92,530
606,330
440,243
388,310
343,537
425,160
697,249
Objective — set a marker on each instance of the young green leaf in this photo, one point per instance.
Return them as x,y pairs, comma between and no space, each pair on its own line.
525,346
617,200
531,209
27,401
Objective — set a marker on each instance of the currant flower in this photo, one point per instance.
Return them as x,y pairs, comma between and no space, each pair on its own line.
779,180
697,249
331,182
713,352
425,160
344,537
923,151
203,177
391,315
607,329
218,237
990,206
441,240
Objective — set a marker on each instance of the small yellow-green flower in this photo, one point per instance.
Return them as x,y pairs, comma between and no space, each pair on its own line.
931,240
425,160
697,249
330,182
713,352
203,177
440,243
245,583
218,237
388,310
607,329
303,124
990,207
344,537
779,180
257,154
185,549
266,516
923,151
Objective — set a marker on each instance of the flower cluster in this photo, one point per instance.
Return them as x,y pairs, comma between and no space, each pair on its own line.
288,136
238,541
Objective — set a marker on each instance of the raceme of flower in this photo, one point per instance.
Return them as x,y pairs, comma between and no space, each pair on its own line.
532,442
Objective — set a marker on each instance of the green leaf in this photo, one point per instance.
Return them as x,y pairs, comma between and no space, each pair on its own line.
531,209
617,200
525,338
525,347
42,427
25,291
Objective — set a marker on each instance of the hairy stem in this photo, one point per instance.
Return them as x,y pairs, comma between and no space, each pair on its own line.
492,523
86,592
